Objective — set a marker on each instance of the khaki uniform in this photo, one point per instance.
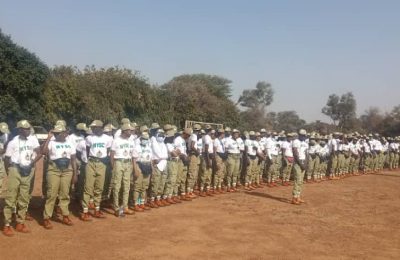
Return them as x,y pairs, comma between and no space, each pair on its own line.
122,172
94,183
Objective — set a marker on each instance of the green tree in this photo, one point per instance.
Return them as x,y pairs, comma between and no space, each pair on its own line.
341,110
22,76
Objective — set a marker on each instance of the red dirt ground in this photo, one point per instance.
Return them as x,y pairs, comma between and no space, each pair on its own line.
353,218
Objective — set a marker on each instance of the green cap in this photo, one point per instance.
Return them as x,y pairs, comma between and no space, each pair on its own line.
23,124
59,129
81,126
4,128
96,123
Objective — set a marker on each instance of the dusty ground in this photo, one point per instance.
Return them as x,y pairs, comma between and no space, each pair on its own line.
354,218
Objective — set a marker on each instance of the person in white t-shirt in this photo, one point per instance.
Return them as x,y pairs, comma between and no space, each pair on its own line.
122,160
206,163
232,147
160,174
300,148
98,148
22,152
61,173
219,161
180,143
194,157
252,153
287,159
4,136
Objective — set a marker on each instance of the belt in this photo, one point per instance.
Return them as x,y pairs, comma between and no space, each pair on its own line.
145,163
173,159
123,160
95,159
234,154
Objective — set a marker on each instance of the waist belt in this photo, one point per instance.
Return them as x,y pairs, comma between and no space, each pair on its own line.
173,159
124,160
252,157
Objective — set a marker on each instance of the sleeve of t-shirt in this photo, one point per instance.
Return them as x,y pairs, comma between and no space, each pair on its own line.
35,143
10,148
114,145
296,144
109,142
73,149
88,141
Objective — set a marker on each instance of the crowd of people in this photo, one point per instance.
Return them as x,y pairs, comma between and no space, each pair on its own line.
133,169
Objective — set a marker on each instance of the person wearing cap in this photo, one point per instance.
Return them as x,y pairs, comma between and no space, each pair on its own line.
287,159
251,155
182,164
206,162
233,162
300,148
22,152
160,174
323,154
333,145
153,129
355,154
108,131
194,160
272,151
4,136
61,174
98,148
257,182
142,172
385,158
313,160
122,160
393,153
367,156
172,166
219,161
81,161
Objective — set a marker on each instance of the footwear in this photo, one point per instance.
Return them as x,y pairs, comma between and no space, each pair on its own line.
192,195
98,214
47,224
58,210
185,198
67,221
128,211
7,231
137,208
159,203
300,200
209,193
152,204
145,207
270,185
85,217
22,228
176,199
295,201
203,194
28,217
231,190
170,201
247,188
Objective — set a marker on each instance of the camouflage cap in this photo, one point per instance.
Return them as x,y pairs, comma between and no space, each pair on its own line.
126,126
188,131
4,128
145,135
263,130
125,121
96,123
196,126
59,129
258,134
61,122
302,132
23,124
235,131
155,125
228,129
221,130
252,133
167,127
81,126
107,128
144,128
169,133
207,127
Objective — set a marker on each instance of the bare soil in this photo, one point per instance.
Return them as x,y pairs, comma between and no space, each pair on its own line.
354,218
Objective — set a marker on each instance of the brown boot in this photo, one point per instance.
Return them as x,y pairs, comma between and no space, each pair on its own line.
203,194
98,214
176,199
159,203
145,207
295,201
67,221
128,211
7,231
22,228
85,217
28,217
170,201
185,198
152,204
137,208
47,224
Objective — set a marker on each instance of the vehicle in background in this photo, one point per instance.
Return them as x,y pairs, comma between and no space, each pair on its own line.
41,133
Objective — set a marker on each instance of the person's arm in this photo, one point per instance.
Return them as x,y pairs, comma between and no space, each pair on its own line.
112,160
45,146
74,169
297,160
6,163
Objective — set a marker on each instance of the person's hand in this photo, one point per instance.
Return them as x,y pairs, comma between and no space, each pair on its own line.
74,179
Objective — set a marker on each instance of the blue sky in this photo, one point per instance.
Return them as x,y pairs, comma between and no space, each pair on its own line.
305,49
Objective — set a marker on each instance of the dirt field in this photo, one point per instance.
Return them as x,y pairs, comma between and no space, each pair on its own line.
354,218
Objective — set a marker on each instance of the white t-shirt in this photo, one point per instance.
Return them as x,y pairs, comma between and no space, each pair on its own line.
81,148
75,139
288,148
58,150
193,138
333,145
232,146
180,144
145,153
207,140
160,153
219,145
301,148
22,151
313,149
98,145
241,143
253,147
323,151
271,147
123,148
